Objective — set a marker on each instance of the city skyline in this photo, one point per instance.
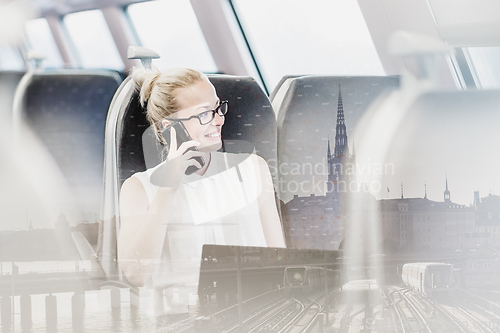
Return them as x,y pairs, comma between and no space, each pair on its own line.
436,138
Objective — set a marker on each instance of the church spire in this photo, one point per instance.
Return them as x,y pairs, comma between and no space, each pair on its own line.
329,154
332,171
341,146
402,196
425,186
447,192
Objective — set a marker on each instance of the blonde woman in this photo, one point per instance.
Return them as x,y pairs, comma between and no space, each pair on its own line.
166,215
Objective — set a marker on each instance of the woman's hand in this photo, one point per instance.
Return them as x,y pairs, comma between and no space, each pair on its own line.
178,160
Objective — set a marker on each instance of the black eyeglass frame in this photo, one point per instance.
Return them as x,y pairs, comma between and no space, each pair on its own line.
214,111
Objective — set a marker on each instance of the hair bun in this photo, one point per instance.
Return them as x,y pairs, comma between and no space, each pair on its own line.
145,81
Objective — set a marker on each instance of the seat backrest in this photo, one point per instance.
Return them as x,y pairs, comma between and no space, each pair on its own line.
280,90
250,123
66,111
250,126
8,83
307,130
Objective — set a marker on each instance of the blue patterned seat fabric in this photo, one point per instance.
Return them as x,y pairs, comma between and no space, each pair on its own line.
67,111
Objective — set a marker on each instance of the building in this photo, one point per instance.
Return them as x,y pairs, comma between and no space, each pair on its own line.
315,222
420,223
487,231
480,273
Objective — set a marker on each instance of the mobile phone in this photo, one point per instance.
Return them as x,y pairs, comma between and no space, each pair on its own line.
182,135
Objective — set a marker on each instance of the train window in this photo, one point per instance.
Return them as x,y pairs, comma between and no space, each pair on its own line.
308,37
464,12
93,41
171,29
40,39
485,65
10,58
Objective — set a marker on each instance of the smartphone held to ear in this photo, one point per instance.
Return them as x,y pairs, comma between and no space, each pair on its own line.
182,135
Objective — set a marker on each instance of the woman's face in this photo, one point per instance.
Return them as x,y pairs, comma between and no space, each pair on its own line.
195,99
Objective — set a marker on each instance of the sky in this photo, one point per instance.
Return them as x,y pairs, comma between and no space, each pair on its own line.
451,135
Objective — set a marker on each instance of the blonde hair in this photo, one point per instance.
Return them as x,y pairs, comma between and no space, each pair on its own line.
159,92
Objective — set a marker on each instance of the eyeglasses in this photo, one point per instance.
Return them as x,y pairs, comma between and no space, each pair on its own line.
206,116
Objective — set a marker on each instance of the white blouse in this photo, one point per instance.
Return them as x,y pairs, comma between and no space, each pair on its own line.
220,207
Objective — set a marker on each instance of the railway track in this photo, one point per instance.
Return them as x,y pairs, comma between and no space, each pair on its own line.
463,312
267,316
450,314
308,320
414,313
408,315
402,311
291,315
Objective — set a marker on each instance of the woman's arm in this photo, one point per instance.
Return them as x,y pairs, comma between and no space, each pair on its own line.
269,216
144,226
142,230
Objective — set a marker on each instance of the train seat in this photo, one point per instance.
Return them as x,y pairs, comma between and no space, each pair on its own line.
312,102
60,116
250,127
8,83
306,125
66,110
279,91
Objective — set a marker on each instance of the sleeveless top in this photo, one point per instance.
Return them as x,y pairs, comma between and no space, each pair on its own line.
220,207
